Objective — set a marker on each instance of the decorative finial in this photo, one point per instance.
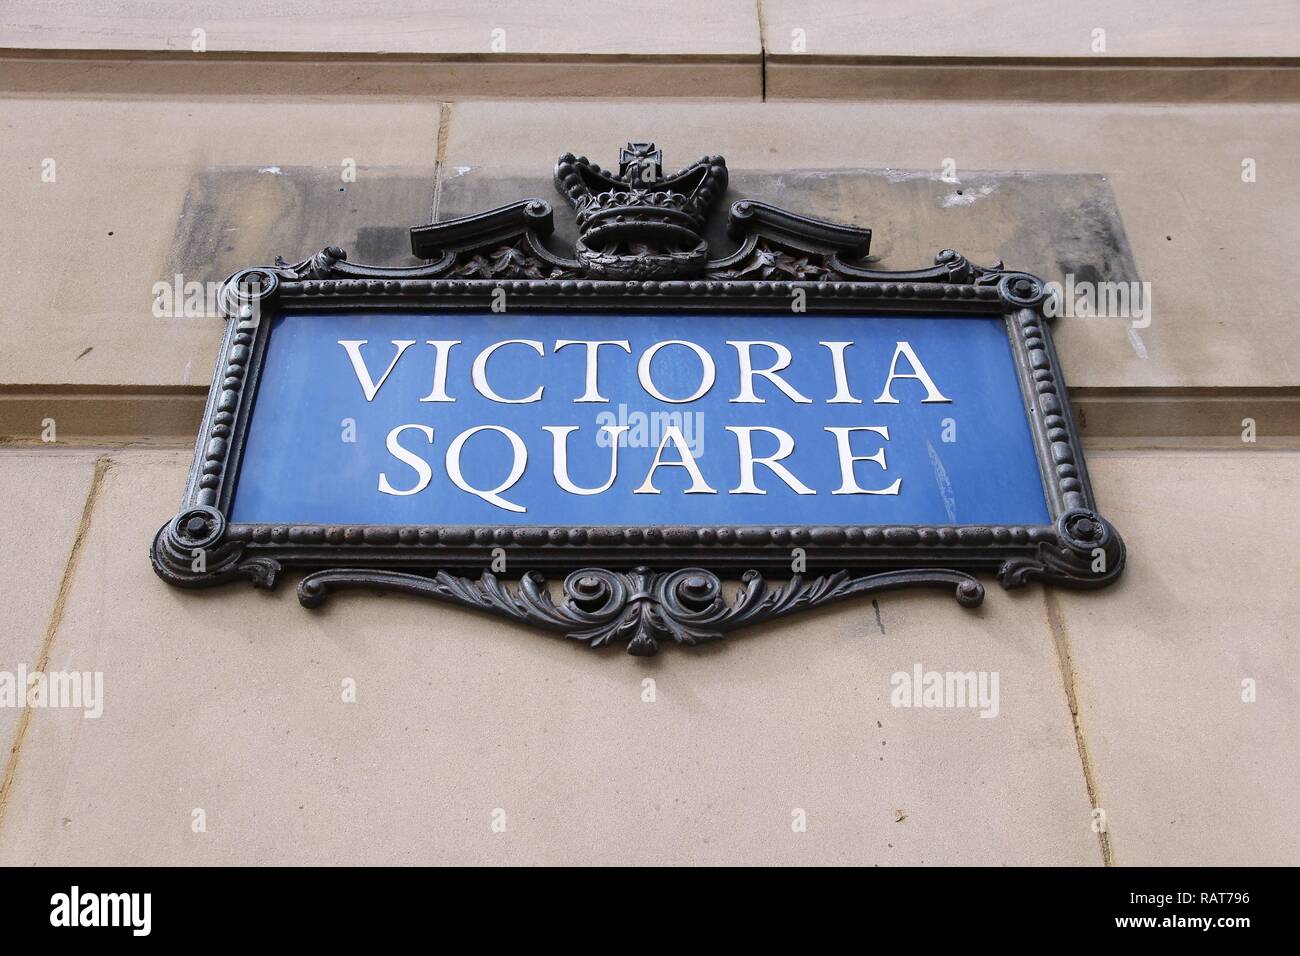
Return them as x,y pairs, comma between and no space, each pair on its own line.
639,224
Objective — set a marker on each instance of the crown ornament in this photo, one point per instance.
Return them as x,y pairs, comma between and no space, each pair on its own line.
638,223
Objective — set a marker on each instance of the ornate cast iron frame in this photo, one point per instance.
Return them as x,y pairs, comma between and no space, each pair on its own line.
652,263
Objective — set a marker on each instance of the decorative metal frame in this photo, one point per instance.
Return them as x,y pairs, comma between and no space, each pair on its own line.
640,249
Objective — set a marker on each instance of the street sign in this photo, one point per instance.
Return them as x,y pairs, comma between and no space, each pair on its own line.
642,415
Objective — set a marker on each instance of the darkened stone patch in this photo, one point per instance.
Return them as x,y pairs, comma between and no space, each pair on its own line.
235,217
1049,224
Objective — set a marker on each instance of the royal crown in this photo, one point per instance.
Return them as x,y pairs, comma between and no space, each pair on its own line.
638,223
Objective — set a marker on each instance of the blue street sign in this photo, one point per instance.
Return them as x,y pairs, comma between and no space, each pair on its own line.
622,419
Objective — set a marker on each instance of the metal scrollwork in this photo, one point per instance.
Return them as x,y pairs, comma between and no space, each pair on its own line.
190,551
640,607
1088,553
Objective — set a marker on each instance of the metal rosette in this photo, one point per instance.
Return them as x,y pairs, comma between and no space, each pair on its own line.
243,293
1022,290
597,593
193,532
1093,548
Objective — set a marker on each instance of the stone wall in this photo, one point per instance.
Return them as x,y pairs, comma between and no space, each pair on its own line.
1167,702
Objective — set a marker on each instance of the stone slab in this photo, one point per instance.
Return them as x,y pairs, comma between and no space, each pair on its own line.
40,510
1188,772
1055,28
393,26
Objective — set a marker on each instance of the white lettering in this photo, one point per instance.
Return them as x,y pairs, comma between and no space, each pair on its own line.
592,393
479,372
709,372
842,394
442,352
698,485
369,387
491,496
785,445
560,438
849,484
932,394
747,372
421,466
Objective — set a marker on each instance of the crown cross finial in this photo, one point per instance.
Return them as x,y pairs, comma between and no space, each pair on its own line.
641,161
